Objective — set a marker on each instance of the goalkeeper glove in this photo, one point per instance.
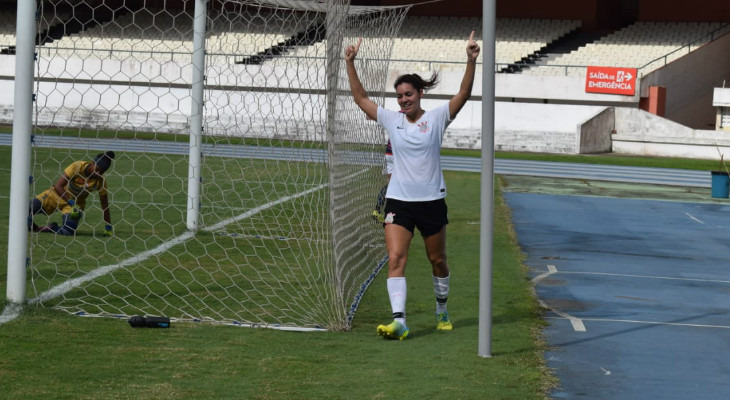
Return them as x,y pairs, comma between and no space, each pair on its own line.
108,230
75,213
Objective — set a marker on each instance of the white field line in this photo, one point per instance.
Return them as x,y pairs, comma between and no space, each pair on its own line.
258,209
65,287
12,311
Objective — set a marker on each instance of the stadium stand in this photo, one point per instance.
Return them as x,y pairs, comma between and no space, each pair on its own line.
49,18
431,43
424,43
140,33
7,31
546,57
645,45
137,33
254,44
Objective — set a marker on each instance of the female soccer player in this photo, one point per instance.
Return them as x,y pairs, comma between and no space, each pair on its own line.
417,189
69,195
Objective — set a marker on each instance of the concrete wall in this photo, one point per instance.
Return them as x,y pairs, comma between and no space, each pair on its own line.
555,9
586,10
690,81
539,128
542,128
721,97
595,133
555,89
684,11
523,88
642,133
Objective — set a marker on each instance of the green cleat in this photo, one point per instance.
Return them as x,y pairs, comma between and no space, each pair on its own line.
443,323
394,330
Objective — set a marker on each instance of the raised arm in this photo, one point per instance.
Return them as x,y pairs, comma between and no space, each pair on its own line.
358,91
60,188
104,200
457,102
108,228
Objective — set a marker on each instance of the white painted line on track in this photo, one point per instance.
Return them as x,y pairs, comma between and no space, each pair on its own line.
631,321
551,270
694,218
647,276
577,323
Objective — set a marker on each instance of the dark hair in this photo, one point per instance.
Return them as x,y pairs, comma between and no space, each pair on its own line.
417,82
104,160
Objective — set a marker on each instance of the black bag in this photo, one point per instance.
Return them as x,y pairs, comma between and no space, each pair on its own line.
149,322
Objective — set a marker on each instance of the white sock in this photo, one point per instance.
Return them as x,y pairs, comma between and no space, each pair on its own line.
397,292
441,289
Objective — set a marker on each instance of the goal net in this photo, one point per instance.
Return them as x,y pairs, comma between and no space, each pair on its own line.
260,216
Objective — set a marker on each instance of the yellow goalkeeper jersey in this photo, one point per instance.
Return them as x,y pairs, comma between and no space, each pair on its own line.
79,185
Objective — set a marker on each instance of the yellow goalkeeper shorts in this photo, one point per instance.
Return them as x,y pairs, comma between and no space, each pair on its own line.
51,201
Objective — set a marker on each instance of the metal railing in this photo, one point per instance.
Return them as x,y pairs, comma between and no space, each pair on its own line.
699,42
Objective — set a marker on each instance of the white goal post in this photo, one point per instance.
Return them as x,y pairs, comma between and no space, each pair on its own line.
244,178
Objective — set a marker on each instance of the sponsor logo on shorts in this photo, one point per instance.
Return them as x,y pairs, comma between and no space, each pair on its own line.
389,218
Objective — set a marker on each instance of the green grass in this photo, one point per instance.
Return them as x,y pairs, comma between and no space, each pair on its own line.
240,270
48,353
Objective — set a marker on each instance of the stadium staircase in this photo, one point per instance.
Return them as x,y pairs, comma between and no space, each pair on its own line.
84,19
313,34
564,45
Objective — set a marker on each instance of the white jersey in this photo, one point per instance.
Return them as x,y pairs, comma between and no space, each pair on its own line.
389,158
417,172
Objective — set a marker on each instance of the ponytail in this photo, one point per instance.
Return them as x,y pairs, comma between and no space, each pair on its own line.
104,160
417,82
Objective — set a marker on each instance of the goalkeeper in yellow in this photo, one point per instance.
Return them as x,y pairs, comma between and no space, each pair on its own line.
68,195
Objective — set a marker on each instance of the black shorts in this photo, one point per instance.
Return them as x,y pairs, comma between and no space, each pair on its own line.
428,216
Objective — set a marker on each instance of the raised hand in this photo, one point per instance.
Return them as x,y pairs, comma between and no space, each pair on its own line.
472,48
351,51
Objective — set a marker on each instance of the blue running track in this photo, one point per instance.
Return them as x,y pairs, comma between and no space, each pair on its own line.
637,293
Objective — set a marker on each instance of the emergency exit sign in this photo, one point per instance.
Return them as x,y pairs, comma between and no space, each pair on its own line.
611,80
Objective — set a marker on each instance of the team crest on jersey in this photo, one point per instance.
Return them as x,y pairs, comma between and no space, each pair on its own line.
389,218
423,127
